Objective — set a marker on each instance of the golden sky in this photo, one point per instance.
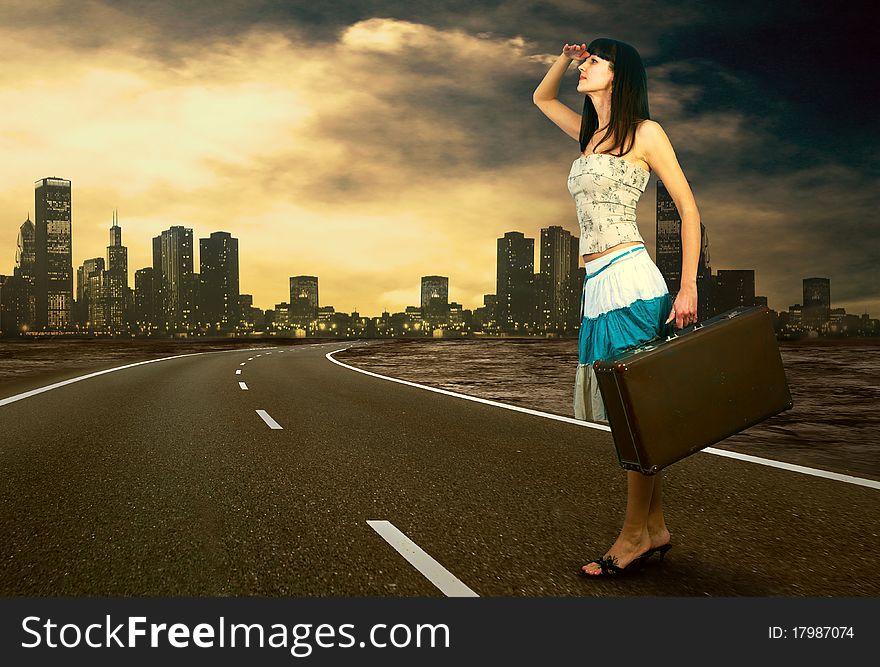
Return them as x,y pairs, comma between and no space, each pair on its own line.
396,151
281,144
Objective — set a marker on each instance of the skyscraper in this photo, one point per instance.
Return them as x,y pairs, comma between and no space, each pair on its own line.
160,319
557,265
817,302
515,282
173,266
248,315
99,299
26,269
117,277
218,271
578,274
85,297
52,252
145,297
734,287
12,306
669,250
435,300
303,306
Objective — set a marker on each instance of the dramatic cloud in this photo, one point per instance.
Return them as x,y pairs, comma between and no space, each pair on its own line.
371,150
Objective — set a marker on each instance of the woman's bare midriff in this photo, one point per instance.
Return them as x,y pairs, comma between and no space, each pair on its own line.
597,255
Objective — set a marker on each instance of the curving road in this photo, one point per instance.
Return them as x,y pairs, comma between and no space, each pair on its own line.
164,479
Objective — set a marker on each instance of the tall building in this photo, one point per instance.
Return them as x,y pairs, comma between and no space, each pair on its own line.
52,253
816,312
197,319
218,269
99,300
706,306
484,316
160,319
559,260
84,295
734,288
145,299
281,316
537,290
669,249
26,270
434,303
515,289
578,273
304,304
173,266
12,306
248,315
117,277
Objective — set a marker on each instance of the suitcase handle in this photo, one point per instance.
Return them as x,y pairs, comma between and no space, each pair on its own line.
696,326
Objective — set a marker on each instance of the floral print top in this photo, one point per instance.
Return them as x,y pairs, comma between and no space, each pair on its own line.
606,189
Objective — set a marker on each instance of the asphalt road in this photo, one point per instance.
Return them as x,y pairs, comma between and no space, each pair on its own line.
163,480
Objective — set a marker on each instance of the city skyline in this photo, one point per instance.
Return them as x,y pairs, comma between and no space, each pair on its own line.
663,210
171,296
259,122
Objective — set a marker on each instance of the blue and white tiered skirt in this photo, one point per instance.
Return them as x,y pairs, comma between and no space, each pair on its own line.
624,303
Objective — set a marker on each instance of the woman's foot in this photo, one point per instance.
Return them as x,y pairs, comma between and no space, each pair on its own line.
624,551
658,537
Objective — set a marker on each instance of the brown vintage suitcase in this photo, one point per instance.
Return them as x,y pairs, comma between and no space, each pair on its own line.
678,393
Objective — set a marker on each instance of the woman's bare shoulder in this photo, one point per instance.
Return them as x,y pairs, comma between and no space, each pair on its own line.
650,135
648,127
649,130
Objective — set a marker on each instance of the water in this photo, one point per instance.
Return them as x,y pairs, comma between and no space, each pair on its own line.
835,386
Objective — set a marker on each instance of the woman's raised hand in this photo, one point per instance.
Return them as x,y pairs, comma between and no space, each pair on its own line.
575,51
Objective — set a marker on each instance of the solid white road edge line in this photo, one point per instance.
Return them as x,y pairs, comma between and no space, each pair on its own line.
40,390
271,422
438,575
815,472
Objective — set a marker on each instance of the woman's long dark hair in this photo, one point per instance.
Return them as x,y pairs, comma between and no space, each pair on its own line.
629,95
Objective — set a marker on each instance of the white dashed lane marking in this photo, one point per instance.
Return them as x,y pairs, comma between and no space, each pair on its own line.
242,385
438,575
266,418
64,383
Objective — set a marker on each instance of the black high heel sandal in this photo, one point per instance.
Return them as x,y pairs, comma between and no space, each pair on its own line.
662,549
609,565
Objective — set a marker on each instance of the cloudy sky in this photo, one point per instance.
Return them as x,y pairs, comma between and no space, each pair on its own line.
372,143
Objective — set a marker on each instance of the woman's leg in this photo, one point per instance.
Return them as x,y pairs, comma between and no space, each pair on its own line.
640,490
656,522
634,538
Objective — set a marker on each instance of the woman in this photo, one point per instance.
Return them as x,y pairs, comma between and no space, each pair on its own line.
625,300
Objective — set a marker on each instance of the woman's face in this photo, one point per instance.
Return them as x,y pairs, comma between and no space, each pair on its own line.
595,75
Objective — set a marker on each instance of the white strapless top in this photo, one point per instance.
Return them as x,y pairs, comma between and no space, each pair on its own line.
606,189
